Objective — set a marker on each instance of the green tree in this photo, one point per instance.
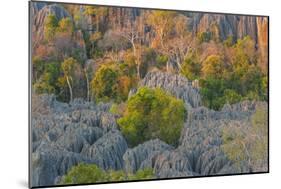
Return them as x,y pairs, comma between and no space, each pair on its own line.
91,173
65,25
104,84
68,68
229,41
142,174
212,91
213,66
96,13
191,67
83,174
47,83
204,36
50,25
231,96
244,52
152,113
162,24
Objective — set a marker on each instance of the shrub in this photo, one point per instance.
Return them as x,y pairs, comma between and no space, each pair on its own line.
232,96
204,36
248,144
191,67
104,84
83,173
152,113
91,173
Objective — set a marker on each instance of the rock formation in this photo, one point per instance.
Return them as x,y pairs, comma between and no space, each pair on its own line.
39,12
177,85
64,135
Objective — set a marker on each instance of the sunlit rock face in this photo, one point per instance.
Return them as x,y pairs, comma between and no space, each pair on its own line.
175,84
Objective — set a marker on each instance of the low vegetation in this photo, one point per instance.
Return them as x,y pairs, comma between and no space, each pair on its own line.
247,145
91,173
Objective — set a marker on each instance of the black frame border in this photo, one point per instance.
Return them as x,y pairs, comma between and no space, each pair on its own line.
146,8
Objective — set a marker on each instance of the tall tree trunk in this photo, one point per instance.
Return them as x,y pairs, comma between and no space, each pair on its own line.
70,88
88,85
178,60
138,69
97,23
167,66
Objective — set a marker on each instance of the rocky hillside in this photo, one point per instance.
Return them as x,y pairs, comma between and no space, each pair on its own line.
225,25
64,135
231,25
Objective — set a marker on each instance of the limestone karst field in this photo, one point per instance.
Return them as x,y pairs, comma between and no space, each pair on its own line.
121,94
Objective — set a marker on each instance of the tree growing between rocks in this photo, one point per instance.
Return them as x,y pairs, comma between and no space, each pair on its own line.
91,173
248,144
150,114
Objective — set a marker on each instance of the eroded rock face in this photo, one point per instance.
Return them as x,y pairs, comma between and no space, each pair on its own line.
231,25
200,150
108,151
143,155
40,11
50,162
236,26
177,85
64,135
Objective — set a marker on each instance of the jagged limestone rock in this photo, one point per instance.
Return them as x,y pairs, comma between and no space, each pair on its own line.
177,85
50,161
142,156
108,151
172,164
64,135
40,12
61,132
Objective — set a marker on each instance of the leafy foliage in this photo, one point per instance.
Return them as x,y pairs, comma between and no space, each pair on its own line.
244,144
228,69
152,113
104,84
91,173
48,79
204,36
51,23
83,173
241,80
191,68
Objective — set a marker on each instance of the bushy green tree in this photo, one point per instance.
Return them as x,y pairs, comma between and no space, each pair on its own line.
229,41
104,84
91,173
152,113
161,61
204,36
212,91
38,66
231,96
142,174
47,83
83,174
191,67
50,25
65,25
213,66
